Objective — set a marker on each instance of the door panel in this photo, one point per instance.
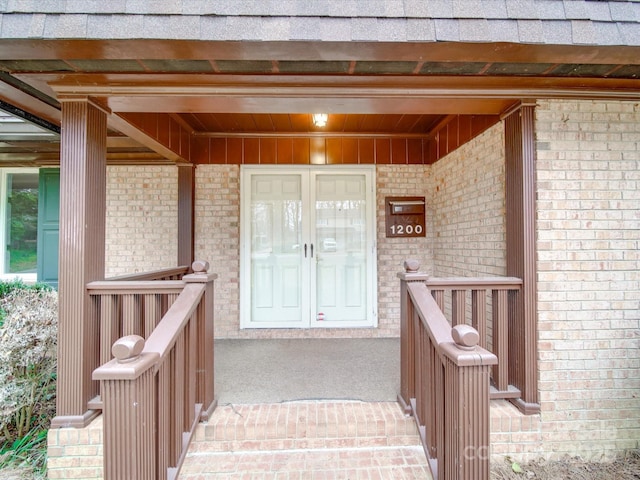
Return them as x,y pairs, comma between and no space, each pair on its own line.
276,265
308,248
48,225
341,260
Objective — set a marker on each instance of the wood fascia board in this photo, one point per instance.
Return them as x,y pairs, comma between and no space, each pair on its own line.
301,50
127,127
198,93
447,86
344,94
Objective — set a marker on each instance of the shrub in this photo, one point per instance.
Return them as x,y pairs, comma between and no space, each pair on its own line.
28,340
7,287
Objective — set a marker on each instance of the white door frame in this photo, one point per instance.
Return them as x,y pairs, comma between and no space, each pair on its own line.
310,321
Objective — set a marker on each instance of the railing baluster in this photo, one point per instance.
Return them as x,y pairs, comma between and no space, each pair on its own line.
152,312
432,401
440,412
176,403
131,321
172,298
438,296
479,314
501,339
419,369
190,370
109,324
458,307
164,419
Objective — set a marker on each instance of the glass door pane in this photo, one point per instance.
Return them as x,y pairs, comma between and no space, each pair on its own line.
21,228
341,250
276,250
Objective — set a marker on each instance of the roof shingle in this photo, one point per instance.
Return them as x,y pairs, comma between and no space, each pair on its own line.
589,22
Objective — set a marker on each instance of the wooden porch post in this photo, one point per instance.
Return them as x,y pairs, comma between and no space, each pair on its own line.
82,256
521,255
185,214
205,393
408,335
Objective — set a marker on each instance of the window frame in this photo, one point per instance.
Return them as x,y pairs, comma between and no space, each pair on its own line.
4,173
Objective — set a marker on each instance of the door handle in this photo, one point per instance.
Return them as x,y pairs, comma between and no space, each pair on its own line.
305,250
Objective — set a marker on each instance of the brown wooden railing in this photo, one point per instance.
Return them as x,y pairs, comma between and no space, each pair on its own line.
156,390
130,308
130,305
467,302
444,383
171,273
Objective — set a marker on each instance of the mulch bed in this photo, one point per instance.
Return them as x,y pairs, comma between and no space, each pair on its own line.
624,467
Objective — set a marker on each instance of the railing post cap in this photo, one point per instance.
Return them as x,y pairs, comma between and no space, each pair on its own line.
465,337
128,348
200,266
411,265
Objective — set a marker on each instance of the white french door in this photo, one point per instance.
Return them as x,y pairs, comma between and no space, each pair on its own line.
308,247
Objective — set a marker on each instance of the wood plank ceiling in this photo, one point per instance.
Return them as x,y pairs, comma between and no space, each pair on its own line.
303,123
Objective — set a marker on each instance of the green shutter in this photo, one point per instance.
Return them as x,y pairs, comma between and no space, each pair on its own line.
48,225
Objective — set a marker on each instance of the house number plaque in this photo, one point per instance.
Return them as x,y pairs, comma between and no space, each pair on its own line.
404,216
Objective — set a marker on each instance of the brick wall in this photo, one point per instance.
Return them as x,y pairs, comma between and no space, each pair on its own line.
468,208
217,232
588,191
400,180
76,452
141,219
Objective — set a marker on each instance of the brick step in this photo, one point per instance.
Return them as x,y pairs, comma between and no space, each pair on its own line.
307,440
350,463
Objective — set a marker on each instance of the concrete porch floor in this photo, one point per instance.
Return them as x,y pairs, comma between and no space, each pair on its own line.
278,370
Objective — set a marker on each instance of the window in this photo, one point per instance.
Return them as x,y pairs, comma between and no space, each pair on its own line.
19,221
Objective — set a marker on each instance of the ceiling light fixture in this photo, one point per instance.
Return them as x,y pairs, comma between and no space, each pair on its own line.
320,119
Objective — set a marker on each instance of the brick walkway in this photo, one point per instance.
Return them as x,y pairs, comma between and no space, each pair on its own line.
307,440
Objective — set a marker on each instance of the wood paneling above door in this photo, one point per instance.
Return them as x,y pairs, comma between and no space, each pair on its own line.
347,147
302,123
311,150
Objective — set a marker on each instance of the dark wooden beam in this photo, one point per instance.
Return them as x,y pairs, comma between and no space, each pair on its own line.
18,98
186,232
